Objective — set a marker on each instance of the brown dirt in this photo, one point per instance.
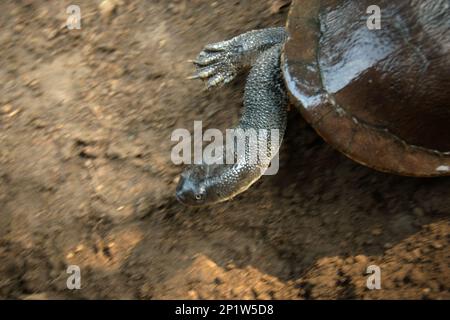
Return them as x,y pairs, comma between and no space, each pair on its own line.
86,178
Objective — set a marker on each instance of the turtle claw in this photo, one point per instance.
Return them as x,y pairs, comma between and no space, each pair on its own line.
195,76
205,59
211,77
228,78
217,64
220,79
208,71
217,47
215,80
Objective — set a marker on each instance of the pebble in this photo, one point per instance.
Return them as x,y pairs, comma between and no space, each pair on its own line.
36,296
361,259
19,27
388,245
193,295
437,245
91,152
107,8
7,108
417,253
419,212
417,276
376,231
146,291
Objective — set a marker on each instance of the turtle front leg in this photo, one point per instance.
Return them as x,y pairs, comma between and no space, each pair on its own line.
219,63
265,111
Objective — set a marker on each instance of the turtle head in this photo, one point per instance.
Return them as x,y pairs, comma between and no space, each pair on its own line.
196,186
209,184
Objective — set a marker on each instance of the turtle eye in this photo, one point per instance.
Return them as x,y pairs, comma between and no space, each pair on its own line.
200,195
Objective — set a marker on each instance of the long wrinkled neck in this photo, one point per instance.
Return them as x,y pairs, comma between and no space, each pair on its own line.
265,109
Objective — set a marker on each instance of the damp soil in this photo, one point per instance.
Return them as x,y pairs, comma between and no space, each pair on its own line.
86,177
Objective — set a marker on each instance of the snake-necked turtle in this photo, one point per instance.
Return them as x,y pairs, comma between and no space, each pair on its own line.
380,96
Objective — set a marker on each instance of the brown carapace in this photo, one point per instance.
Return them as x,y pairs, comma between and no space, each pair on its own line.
379,95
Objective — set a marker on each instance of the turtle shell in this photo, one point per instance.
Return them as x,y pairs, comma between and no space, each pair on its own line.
380,96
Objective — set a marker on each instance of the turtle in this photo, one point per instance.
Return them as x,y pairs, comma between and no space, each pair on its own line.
378,95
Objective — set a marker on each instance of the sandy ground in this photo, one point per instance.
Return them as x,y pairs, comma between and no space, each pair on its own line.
86,177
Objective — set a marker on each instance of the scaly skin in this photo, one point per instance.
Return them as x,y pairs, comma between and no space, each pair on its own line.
265,107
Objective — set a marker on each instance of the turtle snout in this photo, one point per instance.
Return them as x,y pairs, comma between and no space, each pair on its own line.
188,193
181,191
